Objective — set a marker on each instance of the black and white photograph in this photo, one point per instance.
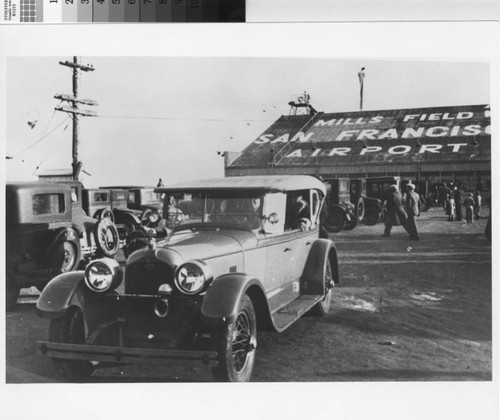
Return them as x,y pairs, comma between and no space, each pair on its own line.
312,217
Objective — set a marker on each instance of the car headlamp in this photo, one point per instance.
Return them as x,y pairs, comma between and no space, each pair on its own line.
103,275
191,277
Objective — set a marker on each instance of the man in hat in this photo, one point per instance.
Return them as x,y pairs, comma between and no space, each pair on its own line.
395,212
412,203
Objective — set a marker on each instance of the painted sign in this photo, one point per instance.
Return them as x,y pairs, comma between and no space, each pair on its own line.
390,135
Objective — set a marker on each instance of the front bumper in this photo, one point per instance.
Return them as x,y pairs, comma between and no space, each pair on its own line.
128,355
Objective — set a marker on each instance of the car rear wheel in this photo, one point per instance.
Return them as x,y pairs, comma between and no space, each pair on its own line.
65,253
360,209
323,306
70,329
372,216
334,220
351,224
235,344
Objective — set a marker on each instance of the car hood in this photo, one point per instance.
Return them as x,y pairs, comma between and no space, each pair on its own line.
208,243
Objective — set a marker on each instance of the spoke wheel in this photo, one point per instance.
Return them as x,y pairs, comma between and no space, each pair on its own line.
235,344
107,238
69,256
70,329
65,255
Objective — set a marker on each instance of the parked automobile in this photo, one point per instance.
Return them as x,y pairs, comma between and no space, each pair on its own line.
142,202
242,254
47,233
345,204
135,210
377,189
97,203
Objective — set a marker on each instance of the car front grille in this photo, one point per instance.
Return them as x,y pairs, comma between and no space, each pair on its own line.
145,278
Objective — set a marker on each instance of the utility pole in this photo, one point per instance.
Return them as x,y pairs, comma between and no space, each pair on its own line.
73,109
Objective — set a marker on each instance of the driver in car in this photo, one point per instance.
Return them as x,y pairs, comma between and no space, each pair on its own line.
300,213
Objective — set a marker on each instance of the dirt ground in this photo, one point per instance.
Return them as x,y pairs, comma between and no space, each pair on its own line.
404,311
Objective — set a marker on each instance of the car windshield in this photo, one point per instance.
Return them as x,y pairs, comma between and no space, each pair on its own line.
235,208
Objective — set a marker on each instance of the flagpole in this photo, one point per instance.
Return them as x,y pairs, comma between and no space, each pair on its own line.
361,76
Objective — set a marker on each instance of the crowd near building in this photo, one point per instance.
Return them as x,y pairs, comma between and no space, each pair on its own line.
430,146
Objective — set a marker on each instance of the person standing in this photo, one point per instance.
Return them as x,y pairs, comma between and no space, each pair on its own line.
477,205
412,201
459,201
396,214
450,207
469,208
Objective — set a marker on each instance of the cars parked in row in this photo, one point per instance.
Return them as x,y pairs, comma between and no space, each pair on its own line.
348,203
48,233
135,209
241,254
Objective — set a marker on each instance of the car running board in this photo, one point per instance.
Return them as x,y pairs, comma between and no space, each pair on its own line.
288,314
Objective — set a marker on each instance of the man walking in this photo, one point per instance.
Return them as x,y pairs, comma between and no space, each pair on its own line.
396,214
412,210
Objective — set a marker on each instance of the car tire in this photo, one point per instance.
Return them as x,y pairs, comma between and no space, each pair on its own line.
65,254
334,220
372,216
12,290
360,209
106,238
102,213
351,224
235,344
323,306
69,329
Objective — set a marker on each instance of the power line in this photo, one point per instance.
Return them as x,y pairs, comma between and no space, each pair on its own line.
45,136
180,119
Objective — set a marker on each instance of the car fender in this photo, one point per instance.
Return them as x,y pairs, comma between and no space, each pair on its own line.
220,303
61,292
374,203
312,279
124,216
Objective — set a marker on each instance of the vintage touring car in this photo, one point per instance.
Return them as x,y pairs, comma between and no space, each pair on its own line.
241,253
47,233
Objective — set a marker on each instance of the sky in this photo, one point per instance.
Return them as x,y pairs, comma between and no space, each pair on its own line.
167,117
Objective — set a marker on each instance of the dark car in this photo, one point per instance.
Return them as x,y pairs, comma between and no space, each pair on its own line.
143,203
47,233
377,188
345,204
241,254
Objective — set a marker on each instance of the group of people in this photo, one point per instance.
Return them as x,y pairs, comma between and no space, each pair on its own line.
402,211
457,201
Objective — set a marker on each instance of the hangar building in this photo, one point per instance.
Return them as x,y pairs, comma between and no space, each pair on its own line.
433,145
